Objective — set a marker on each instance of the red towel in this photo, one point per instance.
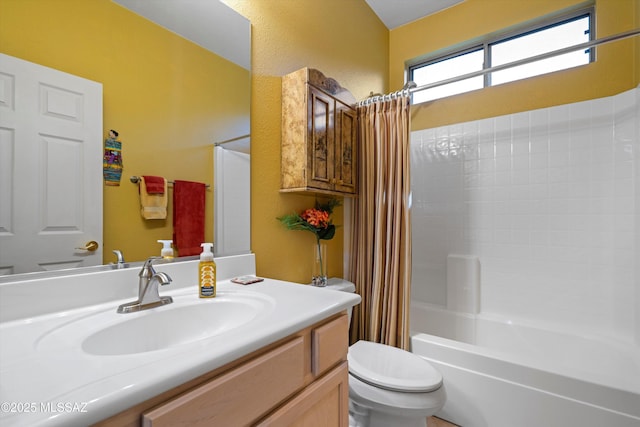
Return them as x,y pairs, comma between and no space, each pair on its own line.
188,217
155,184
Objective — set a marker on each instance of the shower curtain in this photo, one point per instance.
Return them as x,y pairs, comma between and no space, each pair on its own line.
381,238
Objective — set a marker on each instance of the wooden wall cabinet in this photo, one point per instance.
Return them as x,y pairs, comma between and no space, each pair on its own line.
301,380
319,135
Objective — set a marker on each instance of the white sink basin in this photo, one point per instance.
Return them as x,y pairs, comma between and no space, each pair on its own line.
186,320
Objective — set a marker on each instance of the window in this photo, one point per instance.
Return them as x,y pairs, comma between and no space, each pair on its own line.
565,32
450,67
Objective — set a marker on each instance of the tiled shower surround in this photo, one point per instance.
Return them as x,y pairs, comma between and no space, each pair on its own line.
548,200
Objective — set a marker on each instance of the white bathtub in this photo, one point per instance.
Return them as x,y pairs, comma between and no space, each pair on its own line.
501,374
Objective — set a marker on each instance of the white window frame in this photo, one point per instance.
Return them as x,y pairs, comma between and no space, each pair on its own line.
486,44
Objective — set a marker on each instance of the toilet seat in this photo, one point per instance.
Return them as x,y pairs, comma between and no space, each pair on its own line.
402,404
392,368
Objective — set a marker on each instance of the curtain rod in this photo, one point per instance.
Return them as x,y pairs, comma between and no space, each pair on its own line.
411,87
237,138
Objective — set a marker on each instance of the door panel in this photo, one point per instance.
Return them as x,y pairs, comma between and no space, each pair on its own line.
51,160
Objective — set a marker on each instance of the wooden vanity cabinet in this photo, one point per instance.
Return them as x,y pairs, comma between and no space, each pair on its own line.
300,380
319,135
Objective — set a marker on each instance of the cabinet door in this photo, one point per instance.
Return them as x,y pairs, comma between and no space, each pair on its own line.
325,403
346,149
329,344
320,140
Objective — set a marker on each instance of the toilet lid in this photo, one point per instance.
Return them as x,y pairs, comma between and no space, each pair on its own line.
391,368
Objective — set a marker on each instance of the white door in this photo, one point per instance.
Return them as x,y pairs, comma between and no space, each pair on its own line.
50,168
232,193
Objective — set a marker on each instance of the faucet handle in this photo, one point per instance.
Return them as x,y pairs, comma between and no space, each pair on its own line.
150,260
147,269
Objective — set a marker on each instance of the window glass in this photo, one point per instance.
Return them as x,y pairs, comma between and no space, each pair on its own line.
445,69
537,43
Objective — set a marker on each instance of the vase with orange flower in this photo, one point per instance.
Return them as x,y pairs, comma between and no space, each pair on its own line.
318,221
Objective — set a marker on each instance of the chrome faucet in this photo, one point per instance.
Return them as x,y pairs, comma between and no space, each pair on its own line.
148,296
121,263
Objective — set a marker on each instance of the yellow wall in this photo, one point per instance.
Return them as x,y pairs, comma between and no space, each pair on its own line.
615,70
345,40
342,38
167,97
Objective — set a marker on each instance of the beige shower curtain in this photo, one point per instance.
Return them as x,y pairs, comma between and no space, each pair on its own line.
381,239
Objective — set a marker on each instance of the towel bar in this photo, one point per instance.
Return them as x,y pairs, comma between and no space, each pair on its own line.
136,179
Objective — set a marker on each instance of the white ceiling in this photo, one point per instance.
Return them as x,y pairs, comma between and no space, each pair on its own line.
394,13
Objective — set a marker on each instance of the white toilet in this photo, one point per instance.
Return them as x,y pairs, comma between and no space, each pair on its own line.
389,387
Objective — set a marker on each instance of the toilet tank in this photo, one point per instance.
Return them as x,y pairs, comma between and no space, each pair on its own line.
342,285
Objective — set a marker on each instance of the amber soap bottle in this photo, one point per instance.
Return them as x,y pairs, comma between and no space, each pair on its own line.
207,272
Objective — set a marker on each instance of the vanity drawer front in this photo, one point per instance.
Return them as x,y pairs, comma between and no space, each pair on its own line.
329,344
237,397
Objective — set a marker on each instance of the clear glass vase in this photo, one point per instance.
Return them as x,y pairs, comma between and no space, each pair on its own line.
319,269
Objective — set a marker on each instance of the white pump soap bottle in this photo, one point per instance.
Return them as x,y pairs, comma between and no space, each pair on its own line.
207,272
167,252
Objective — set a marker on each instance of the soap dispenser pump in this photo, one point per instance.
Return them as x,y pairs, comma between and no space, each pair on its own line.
207,272
167,252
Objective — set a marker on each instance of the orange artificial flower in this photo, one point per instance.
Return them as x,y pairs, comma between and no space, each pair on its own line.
316,217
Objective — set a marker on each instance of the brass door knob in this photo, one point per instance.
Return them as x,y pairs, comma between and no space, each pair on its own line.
90,246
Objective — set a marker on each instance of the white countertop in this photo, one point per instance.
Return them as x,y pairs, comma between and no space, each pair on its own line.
53,382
